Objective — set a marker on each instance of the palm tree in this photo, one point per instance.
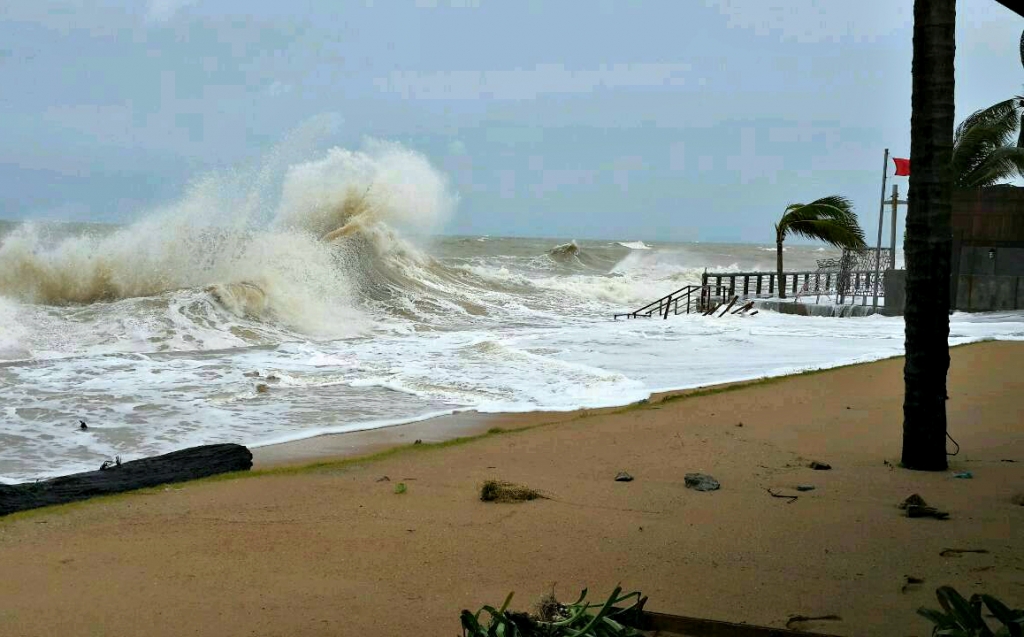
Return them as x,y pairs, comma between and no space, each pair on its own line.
829,219
984,150
986,147
928,241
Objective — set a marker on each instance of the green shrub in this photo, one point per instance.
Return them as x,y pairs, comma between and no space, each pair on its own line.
963,618
553,619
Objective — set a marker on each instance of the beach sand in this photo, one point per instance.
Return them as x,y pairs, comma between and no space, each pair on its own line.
332,550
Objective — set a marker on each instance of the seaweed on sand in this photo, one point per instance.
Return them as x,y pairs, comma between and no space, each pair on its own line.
501,491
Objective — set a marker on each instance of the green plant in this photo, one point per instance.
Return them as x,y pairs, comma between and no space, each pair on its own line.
559,620
829,219
963,618
400,488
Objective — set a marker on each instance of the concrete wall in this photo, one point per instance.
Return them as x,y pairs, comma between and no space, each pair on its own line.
992,260
974,292
983,293
895,292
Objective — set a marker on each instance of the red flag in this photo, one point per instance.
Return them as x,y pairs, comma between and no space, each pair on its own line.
902,167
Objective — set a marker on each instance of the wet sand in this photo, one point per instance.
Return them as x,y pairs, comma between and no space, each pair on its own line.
332,550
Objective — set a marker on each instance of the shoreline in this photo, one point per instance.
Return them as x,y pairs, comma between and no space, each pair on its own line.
470,423
334,547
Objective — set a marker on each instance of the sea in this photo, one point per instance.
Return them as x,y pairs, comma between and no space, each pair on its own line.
261,310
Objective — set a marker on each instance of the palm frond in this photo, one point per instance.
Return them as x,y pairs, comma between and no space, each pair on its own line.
832,232
829,219
998,166
1002,118
981,135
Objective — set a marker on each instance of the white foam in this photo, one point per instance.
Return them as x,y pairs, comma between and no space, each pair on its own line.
634,245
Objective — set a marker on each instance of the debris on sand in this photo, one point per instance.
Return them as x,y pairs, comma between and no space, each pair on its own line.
912,584
501,491
959,552
820,466
926,512
1018,499
916,507
701,482
622,476
913,500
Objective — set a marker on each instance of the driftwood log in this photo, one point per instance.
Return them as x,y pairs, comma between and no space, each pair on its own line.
178,466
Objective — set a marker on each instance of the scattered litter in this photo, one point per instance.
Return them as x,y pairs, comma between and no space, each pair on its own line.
82,425
914,511
501,491
913,500
1018,499
965,475
622,476
739,424
262,388
417,442
383,479
912,583
701,482
791,498
959,552
820,466
805,487
1007,460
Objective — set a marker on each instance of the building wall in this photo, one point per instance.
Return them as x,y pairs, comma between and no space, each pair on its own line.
990,216
988,243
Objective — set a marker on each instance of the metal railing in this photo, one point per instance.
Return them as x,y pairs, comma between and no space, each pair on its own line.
693,298
841,286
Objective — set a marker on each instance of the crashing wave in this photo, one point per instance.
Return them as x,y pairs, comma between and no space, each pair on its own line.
292,263
565,251
635,245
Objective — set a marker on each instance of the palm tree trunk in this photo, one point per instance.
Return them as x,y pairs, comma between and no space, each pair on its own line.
928,242
778,267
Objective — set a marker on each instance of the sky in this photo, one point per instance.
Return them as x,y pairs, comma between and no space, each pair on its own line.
622,119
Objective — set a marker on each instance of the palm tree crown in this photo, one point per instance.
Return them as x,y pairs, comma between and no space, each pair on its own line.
829,219
988,146
984,152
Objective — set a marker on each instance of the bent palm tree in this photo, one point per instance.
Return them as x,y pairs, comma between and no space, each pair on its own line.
829,219
984,151
986,147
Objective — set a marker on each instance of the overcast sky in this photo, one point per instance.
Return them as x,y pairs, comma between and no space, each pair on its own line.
675,120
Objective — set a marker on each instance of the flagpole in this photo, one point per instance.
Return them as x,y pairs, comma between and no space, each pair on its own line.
881,219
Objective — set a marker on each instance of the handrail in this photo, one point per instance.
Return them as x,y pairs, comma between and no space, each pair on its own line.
670,303
667,297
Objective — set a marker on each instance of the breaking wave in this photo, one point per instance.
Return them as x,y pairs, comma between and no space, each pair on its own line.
289,265
634,245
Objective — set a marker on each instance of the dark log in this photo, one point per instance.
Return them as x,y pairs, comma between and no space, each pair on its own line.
178,466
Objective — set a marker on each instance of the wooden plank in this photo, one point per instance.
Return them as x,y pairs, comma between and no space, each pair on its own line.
729,307
682,626
178,466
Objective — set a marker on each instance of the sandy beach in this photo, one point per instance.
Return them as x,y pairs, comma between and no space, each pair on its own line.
331,549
